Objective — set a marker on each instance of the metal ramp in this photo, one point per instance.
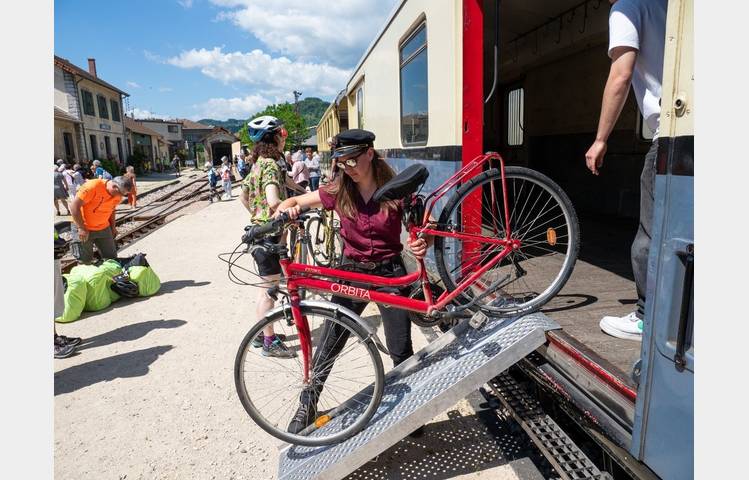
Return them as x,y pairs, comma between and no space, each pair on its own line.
429,382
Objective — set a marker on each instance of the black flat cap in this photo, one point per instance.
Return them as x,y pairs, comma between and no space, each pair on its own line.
353,141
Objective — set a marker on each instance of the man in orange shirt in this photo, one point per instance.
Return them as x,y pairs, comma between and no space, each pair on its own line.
93,211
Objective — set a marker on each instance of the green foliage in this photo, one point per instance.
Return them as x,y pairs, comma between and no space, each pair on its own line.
293,122
311,110
110,166
137,160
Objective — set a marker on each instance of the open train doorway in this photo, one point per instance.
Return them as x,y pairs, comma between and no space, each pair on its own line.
545,68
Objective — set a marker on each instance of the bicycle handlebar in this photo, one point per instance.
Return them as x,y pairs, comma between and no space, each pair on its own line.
256,232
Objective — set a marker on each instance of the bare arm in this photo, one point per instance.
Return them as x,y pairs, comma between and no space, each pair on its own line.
75,212
272,196
294,204
244,197
614,95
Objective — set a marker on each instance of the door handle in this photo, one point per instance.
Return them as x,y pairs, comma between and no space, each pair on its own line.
686,299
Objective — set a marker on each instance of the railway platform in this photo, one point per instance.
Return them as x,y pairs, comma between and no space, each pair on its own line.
150,392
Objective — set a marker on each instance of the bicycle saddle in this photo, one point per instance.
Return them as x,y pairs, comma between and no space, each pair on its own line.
402,185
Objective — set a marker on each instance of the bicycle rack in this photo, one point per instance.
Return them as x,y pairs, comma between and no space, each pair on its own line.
431,381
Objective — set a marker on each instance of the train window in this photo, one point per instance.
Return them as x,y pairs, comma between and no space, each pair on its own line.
515,107
413,86
360,107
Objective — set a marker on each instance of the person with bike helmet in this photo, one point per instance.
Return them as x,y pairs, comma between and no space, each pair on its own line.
371,244
262,192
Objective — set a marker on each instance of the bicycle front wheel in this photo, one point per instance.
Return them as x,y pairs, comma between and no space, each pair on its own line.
541,218
271,387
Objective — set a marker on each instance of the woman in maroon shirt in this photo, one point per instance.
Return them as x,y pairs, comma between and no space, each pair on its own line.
371,244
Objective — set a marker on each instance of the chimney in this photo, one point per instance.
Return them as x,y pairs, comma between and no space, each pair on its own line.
92,66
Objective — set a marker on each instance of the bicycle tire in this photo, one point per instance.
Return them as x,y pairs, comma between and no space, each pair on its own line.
316,438
325,249
477,185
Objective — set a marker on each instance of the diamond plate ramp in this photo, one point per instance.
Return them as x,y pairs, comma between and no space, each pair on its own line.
432,380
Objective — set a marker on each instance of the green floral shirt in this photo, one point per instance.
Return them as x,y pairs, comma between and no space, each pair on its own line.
264,172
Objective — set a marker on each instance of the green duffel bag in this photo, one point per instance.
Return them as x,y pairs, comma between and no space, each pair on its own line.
111,268
146,279
97,297
75,298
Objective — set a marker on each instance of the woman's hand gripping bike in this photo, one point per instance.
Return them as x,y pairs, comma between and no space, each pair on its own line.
504,245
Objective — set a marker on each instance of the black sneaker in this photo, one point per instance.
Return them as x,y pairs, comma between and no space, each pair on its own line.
64,351
257,342
63,340
278,349
304,416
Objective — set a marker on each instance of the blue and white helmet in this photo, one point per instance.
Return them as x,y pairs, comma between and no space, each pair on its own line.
258,127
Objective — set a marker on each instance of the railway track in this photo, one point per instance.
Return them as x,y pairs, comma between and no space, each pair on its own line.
135,224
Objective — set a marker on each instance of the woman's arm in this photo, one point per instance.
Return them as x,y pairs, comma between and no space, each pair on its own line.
294,205
272,196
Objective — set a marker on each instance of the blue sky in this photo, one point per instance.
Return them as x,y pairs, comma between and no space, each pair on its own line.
217,58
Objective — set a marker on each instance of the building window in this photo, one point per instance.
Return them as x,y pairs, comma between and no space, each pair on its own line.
67,139
172,128
360,107
103,113
413,85
515,110
88,102
94,149
119,149
115,110
108,147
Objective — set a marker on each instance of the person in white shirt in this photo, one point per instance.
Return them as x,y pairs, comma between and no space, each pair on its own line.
637,31
313,165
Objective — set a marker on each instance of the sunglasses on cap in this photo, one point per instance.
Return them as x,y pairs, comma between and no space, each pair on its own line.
284,132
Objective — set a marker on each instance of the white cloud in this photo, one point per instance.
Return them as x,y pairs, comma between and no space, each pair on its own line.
185,3
321,31
165,89
270,76
152,56
132,84
225,108
141,114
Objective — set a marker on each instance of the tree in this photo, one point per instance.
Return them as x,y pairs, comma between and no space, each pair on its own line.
285,112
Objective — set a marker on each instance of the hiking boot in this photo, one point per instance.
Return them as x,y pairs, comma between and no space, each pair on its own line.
63,340
628,327
64,351
304,416
257,342
278,349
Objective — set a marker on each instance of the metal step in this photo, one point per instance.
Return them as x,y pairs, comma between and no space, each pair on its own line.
431,381
564,455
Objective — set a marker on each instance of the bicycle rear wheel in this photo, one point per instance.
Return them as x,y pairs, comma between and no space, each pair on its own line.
541,217
326,243
270,387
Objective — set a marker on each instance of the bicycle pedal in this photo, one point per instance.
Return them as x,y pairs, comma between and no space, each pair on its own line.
478,320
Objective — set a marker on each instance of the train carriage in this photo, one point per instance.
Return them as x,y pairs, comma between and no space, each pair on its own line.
446,80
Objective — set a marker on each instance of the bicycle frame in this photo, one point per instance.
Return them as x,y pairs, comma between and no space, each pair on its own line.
308,277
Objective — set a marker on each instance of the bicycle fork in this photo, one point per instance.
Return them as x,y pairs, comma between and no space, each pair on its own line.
305,336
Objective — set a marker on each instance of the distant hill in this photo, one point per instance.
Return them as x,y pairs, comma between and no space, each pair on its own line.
310,108
233,125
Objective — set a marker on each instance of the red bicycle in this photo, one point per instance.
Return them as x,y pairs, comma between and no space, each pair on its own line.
505,243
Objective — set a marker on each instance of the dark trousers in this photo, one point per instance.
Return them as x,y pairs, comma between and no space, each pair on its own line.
641,244
333,336
84,251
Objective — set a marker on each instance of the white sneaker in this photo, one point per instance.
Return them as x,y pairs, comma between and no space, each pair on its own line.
628,326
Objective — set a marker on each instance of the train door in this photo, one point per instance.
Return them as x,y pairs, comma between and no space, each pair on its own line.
663,435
